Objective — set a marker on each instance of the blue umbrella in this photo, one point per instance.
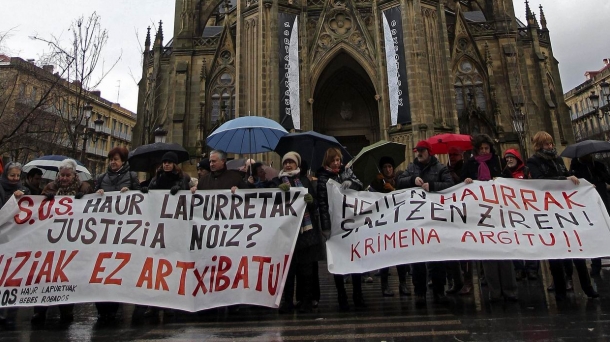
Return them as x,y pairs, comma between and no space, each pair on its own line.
247,134
311,146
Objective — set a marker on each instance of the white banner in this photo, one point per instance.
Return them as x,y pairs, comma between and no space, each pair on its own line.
188,252
501,219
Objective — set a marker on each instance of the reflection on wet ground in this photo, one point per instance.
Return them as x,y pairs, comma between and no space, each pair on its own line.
535,317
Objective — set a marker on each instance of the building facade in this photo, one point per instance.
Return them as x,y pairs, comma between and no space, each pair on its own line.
43,114
589,105
359,70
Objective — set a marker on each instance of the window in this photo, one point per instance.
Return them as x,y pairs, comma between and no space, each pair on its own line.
469,87
223,97
34,93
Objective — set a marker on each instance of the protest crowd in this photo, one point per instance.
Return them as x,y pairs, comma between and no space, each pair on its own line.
302,286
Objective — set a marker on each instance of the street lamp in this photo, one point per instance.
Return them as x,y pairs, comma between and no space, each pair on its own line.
90,132
160,134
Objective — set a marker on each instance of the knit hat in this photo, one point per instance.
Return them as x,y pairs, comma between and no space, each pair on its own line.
386,160
204,164
508,154
170,157
423,145
292,156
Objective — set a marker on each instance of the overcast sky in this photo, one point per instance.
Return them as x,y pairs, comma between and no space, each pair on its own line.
577,30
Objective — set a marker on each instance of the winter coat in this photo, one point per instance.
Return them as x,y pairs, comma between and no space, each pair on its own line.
309,242
542,167
167,180
456,171
379,183
520,171
434,173
5,195
596,174
222,180
471,168
32,190
323,176
51,188
116,180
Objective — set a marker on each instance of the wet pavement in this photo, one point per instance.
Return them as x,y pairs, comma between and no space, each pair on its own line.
535,317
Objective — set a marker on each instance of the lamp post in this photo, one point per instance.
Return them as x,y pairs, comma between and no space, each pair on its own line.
160,134
90,132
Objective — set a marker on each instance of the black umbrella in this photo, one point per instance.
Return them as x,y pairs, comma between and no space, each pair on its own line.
311,146
146,156
585,147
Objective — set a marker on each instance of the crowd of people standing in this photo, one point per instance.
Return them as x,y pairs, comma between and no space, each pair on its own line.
302,288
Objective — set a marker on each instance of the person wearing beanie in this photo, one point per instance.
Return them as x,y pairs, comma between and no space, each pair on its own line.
169,176
203,168
427,173
385,182
220,177
308,243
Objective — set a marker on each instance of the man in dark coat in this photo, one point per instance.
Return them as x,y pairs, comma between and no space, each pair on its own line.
595,173
32,181
219,177
429,174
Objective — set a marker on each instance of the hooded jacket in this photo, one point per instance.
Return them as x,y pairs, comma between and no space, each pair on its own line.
520,171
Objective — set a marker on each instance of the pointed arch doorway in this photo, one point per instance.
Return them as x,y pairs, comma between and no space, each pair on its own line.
344,104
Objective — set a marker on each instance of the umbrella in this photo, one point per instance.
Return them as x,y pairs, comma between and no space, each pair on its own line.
441,143
585,147
146,156
311,146
247,134
365,164
50,166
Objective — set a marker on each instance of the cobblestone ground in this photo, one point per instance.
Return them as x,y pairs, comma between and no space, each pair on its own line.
535,317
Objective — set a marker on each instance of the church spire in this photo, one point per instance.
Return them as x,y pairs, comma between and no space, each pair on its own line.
542,18
528,11
159,36
147,41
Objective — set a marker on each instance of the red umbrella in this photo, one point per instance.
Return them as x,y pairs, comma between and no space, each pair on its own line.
443,142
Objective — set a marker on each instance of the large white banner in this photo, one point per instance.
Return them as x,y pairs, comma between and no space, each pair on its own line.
501,219
187,252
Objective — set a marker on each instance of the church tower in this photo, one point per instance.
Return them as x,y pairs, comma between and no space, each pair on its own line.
360,70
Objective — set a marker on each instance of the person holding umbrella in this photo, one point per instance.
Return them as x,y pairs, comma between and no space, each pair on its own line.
333,169
220,178
595,173
66,184
169,176
32,181
385,182
308,241
431,175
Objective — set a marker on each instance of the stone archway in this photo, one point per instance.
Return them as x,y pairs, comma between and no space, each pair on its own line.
344,104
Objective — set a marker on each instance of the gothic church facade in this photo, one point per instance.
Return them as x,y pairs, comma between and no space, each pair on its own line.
360,70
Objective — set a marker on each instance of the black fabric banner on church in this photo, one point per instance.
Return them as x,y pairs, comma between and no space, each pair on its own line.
400,112
288,39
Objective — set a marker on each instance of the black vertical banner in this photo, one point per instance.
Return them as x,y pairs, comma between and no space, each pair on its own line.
288,39
400,111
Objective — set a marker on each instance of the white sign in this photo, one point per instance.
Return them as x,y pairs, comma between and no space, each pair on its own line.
188,252
501,219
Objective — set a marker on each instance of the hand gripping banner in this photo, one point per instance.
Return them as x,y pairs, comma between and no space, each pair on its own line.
501,219
188,252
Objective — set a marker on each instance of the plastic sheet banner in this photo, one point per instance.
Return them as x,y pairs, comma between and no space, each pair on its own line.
501,219
188,252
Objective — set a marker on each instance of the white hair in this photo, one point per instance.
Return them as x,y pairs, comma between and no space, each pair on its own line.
69,164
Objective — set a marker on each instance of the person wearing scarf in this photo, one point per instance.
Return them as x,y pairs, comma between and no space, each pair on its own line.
10,185
484,165
66,184
547,164
333,169
308,242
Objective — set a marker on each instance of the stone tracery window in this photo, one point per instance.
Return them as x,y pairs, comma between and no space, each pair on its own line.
222,95
469,87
